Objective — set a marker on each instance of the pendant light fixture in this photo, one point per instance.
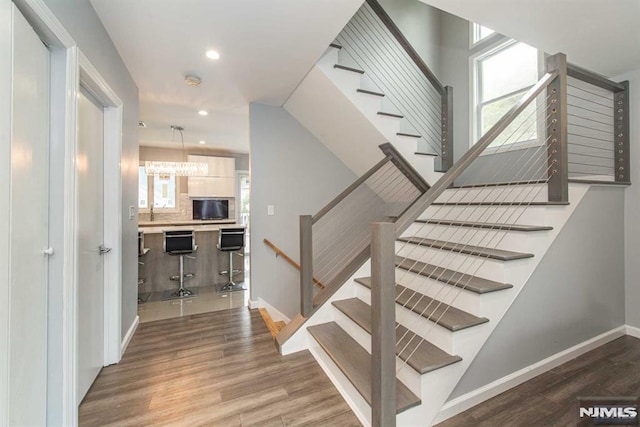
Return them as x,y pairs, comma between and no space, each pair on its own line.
183,168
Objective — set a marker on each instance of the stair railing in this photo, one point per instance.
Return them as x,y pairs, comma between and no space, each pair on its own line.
373,41
334,243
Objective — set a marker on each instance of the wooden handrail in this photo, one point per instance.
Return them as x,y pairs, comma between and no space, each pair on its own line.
280,252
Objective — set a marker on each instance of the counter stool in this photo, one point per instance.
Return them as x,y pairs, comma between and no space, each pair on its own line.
180,243
231,240
142,251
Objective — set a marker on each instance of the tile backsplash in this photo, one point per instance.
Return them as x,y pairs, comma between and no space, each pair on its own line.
186,211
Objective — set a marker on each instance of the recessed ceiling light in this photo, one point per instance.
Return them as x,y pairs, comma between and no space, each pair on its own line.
212,54
203,112
203,142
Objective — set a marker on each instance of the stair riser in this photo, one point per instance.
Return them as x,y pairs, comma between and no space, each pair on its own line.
435,334
511,214
411,378
517,241
483,267
468,301
516,193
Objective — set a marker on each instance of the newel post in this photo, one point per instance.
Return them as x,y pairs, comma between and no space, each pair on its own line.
306,265
383,325
558,166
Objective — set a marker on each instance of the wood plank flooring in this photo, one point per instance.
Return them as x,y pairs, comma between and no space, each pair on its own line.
550,399
212,369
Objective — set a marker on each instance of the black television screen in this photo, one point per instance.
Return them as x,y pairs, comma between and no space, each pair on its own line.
210,209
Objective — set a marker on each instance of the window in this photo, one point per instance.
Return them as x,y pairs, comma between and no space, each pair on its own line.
480,32
502,76
159,191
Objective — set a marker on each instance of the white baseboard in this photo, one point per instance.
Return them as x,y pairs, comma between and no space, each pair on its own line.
473,398
275,314
254,304
130,332
633,331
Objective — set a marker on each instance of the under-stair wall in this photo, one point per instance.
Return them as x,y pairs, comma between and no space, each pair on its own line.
288,171
575,294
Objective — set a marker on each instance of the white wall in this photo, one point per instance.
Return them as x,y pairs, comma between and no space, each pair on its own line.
575,294
298,175
82,23
632,206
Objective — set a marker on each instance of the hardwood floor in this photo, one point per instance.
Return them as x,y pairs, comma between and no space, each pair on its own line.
212,369
550,399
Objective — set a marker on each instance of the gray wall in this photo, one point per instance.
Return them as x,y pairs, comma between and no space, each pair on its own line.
296,173
576,293
632,207
421,25
81,21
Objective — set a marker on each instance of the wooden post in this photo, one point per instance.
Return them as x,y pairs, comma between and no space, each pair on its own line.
306,265
558,184
383,332
622,136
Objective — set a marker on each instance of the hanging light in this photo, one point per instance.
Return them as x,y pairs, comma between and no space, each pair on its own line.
177,168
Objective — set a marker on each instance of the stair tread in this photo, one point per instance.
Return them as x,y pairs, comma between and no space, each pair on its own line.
514,204
432,309
472,283
479,251
384,113
420,354
355,362
417,153
489,225
344,67
370,92
410,135
335,45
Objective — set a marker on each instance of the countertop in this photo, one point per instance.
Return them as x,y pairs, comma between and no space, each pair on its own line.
184,222
202,227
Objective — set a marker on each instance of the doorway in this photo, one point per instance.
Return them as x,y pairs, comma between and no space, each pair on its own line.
91,248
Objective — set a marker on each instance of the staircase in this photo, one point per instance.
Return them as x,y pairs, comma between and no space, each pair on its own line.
464,247
452,288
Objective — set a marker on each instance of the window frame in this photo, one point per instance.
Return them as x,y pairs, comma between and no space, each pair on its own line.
150,195
476,87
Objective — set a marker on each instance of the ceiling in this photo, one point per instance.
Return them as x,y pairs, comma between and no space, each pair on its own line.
266,48
601,35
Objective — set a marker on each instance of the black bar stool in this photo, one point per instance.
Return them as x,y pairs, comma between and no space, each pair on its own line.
230,240
181,243
142,251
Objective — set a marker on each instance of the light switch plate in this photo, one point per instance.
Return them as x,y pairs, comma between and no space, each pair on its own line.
271,210
132,212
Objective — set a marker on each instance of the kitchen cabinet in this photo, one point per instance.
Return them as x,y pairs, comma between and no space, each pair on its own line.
220,180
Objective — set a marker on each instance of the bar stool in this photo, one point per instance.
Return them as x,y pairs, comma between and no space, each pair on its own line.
180,243
142,251
231,240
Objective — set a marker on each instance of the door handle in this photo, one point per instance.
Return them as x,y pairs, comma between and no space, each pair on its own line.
104,250
48,251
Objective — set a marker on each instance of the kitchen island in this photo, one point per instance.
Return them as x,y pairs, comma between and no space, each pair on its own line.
158,266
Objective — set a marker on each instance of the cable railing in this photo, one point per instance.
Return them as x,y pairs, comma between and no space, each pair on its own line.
334,242
375,44
598,131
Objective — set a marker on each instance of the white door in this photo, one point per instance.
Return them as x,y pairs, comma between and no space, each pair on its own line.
29,227
90,345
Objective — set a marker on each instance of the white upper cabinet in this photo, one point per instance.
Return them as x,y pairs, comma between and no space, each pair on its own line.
221,179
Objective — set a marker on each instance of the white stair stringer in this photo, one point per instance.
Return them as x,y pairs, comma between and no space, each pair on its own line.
347,122
434,387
